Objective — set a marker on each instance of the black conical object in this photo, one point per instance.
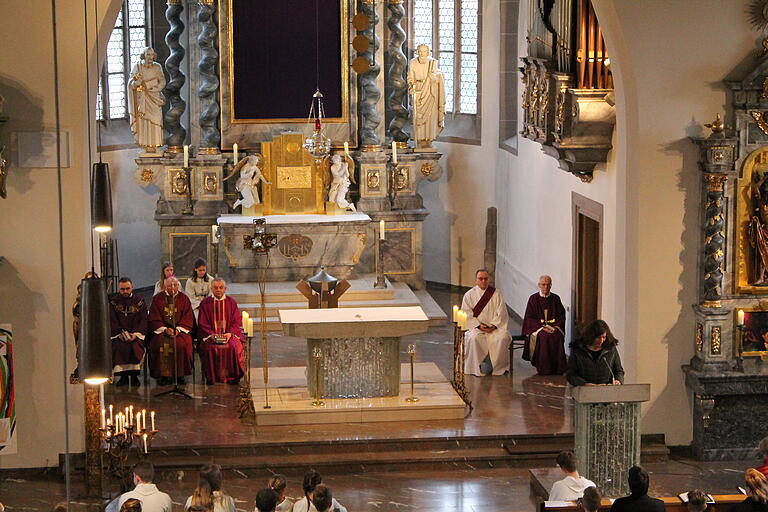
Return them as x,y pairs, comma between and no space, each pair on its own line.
317,281
95,345
101,198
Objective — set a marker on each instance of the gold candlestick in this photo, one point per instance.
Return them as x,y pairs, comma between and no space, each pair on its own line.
412,353
318,355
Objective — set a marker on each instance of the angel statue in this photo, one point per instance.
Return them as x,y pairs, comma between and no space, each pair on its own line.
248,182
340,173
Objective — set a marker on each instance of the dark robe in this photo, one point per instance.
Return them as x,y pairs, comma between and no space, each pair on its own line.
128,315
161,345
549,354
221,362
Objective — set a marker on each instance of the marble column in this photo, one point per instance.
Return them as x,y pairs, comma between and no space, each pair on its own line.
176,134
370,94
714,240
396,74
210,137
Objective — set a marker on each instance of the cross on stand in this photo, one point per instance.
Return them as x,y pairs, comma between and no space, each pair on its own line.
260,243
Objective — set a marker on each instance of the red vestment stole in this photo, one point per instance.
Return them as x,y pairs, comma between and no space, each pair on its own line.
480,306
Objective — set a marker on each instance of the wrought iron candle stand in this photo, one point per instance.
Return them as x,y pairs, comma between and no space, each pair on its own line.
245,402
738,356
458,364
317,353
117,446
412,353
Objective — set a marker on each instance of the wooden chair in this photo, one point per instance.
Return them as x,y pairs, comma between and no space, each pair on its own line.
518,342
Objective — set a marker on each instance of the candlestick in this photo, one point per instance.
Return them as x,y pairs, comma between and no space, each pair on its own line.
740,317
455,313
394,152
234,149
145,443
381,230
346,148
186,156
153,420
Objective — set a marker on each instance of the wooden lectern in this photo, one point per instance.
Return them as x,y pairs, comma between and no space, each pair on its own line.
607,428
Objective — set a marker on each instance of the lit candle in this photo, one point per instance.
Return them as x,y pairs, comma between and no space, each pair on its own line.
346,148
153,420
245,320
740,317
455,313
381,229
138,423
111,418
394,152
103,418
145,443
234,148
250,327
130,416
186,155
144,419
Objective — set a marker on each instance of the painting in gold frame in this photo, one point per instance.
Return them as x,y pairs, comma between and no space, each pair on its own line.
756,162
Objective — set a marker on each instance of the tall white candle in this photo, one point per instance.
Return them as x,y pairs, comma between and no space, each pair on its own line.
138,423
381,229
130,416
234,148
455,313
153,420
394,152
111,418
145,443
144,419
740,317
103,418
346,148
186,155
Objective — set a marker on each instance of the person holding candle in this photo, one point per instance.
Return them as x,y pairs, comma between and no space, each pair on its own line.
128,319
544,326
151,498
486,325
221,336
170,321
594,358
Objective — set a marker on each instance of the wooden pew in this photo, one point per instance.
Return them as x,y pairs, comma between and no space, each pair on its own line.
723,503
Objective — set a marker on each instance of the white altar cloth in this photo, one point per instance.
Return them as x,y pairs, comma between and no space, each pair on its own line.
352,322
294,219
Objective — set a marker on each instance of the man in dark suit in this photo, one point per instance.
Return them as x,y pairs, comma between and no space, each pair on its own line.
638,500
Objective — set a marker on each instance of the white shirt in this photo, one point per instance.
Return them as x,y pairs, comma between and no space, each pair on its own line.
221,503
568,489
301,506
152,499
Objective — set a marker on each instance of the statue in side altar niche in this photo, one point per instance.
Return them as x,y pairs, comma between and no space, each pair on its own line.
426,84
145,101
340,173
758,229
248,182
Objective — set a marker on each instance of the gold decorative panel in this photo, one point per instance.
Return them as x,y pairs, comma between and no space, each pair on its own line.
294,177
402,178
716,341
176,184
295,246
699,337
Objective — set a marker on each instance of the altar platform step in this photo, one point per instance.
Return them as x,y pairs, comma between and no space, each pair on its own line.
362,294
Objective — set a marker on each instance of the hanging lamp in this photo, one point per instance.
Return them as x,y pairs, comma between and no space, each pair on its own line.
95,345
318,144
101,198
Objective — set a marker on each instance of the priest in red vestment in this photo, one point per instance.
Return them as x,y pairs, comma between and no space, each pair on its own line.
221,336
544,325
170,316
128,319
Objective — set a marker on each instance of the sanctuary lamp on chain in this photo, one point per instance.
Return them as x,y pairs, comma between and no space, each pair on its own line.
318,144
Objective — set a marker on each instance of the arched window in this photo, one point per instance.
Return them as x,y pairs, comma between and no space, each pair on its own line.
451,29
129,37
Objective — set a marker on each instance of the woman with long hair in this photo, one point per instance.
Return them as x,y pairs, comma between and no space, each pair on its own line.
198,285
757,493
208,495
594,359
165,272
311,480
278,484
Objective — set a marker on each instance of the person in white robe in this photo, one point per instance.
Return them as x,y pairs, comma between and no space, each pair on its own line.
198,286
487,334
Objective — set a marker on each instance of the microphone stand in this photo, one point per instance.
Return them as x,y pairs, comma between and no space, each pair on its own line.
175,390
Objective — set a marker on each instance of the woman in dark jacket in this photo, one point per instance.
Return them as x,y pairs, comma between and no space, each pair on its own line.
594,359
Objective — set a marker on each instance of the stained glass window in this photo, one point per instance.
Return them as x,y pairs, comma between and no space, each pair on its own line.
437,24
129,37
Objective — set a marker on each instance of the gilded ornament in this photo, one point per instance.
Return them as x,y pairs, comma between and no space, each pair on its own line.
715,182
293,147
295,246
179,182
427,168
401,178
699,337
760,118
210,184
294,177
147,175
362,238
373,179
717,126
716,340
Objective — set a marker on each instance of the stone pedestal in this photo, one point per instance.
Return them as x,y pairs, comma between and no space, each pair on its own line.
607,431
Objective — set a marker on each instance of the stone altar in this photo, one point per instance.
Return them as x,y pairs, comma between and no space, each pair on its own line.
360,347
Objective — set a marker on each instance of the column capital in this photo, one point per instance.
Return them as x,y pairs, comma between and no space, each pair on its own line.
715,182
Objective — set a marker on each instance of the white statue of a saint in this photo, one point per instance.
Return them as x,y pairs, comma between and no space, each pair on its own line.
248,182
341,176
145,101
426,84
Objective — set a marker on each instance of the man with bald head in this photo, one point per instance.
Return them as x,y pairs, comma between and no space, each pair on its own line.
221,336
544,325
170,317
487,336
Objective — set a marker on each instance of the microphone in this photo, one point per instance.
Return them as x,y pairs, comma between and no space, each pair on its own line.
613,377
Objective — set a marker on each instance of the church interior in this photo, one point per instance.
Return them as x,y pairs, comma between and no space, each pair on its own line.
372,239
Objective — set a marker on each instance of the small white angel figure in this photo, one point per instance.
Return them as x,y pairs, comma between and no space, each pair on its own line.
248,182
341,175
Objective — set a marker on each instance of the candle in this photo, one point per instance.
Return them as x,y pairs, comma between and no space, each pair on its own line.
394,152
740,317
145,443
381,229
234,148
130,417
111,418
103,418
455,313
186,155
138,423
245,320
346,148
250,327
144,419
153,420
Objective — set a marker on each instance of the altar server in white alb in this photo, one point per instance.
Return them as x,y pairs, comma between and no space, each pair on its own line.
487,334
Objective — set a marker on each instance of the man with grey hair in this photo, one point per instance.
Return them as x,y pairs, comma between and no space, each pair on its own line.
221,336
170,322
544,326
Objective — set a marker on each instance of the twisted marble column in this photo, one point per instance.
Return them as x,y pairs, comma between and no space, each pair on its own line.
175,134
369,91
210,137
396,76
714,239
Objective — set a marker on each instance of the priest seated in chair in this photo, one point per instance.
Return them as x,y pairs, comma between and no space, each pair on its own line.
128,319
487,336
544,326
170,321
221,336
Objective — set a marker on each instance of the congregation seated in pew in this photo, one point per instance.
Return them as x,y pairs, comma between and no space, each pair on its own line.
572,486
209,495
638,499
312,480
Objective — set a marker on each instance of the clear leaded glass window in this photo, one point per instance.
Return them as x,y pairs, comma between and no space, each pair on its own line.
129,37
437,23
